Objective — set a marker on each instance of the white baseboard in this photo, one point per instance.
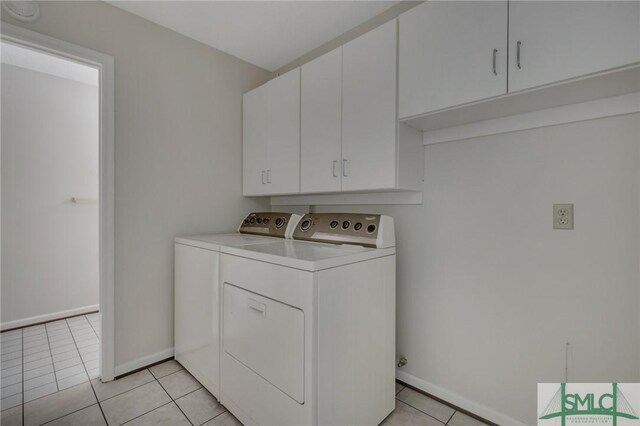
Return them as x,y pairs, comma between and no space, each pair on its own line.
143,362
48,317
458,400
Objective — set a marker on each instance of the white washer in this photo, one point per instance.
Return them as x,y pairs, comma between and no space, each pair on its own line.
197,291
308,327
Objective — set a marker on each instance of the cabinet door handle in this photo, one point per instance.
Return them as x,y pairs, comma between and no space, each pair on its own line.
335,168
263,177
495,53
346,167
268,176
518,49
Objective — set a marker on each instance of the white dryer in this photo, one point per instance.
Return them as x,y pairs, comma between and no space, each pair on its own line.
197,290
308,327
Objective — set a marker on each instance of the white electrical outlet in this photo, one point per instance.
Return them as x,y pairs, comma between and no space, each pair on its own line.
563,216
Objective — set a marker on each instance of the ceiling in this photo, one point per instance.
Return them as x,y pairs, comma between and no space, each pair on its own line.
48,64
269,34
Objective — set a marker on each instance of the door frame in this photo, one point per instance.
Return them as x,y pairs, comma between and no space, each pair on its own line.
105,66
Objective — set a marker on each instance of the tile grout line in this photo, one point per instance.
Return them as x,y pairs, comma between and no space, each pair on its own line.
99,402
22,338
188,393
91,325
424,412
73,337
216,416
68,414
9,353
38,359
448,404
123,392
174,401
405,403
144,414
38,387
95,395
11,375
53,367
130,420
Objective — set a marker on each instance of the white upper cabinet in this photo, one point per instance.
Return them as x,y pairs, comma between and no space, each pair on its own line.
321,124
254,141
369,116
451,53
271,137
332,125
283,115
551,41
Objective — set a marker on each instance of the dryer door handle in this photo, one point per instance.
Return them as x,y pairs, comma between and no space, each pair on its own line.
257,306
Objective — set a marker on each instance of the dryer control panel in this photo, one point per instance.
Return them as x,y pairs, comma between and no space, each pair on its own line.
368,230
269,224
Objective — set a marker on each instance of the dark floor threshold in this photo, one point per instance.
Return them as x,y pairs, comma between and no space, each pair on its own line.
137,370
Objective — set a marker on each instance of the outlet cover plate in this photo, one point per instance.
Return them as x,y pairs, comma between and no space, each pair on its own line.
563,216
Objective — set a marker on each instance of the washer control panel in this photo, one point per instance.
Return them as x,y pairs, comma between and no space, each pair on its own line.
368,230
270,224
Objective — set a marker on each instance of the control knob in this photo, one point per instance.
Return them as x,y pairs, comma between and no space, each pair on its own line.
305,225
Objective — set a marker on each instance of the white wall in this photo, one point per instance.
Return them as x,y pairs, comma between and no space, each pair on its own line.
178,150
488,293
49,154
389,14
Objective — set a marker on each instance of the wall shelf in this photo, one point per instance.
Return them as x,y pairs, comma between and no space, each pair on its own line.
607,107
581,90
372,198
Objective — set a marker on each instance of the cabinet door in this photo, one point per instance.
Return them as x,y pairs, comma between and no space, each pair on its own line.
565,39
447,54
369,116
283,116
321,124
254,141
197,314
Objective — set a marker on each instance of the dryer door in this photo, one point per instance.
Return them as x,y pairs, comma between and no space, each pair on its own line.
266,336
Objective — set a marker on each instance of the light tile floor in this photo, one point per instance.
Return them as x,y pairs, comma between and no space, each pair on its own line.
43,359
416,409
164,394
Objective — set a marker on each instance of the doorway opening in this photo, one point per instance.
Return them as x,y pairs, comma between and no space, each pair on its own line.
50,221
57,222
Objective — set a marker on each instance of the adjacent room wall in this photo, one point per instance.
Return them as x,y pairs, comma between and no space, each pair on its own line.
49,154
488,293
178,156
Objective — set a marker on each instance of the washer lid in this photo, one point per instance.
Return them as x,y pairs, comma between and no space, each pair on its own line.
216,241
306,255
